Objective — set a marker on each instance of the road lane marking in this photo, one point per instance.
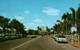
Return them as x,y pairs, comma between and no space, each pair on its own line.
24,43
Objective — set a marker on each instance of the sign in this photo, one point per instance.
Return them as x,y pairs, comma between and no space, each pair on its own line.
73,29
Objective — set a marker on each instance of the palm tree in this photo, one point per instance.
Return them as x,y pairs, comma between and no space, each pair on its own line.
73,16
78,22
73,12
67,23
61,25
57,28
65,18
75,19
48,30
38,28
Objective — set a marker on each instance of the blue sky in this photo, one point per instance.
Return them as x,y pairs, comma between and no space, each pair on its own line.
33,13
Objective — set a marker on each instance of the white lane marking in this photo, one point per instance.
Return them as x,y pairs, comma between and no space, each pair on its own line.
24,43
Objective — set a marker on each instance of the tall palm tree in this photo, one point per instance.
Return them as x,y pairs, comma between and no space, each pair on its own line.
73,16
78,22
67,23
65,18
73,12
61,24
57,28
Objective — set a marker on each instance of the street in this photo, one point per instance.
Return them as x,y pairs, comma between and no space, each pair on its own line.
39,43
12,43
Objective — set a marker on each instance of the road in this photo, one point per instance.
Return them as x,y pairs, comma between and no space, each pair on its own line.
7,45
39,43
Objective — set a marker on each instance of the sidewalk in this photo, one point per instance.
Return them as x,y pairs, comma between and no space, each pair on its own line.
75,44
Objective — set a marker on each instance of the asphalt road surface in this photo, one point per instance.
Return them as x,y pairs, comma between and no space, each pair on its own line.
39,43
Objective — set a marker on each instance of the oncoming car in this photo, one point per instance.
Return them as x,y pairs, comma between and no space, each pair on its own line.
61,38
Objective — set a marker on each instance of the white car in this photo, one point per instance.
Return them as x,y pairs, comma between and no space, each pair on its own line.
61,38
53,36
33,36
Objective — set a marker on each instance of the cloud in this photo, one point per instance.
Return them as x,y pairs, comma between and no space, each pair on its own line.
37,20
27,12
2,14
51,11
19,17
31,25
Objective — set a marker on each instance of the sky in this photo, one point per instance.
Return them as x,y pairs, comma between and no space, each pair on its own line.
33,13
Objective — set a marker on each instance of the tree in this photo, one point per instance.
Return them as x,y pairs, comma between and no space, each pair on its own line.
61,26
16,25
31,31
73,12
78,22
38,28
1,24
57,28
67,21
47,29
5,24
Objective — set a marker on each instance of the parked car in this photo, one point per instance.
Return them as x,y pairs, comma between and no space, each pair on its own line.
53,36
60,38
2,37
19,35
33,36
75,37
10,37
6,37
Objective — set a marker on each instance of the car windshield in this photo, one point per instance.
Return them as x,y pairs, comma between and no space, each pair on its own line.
60,36
56,35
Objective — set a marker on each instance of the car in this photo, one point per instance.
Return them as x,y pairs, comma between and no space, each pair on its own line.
2,37
33,36
6,37
19,35
60,38
75,37
10,37
53,36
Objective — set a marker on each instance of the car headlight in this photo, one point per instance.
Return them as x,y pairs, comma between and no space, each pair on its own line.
58,39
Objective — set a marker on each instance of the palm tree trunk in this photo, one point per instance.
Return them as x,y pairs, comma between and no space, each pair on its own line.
78,38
